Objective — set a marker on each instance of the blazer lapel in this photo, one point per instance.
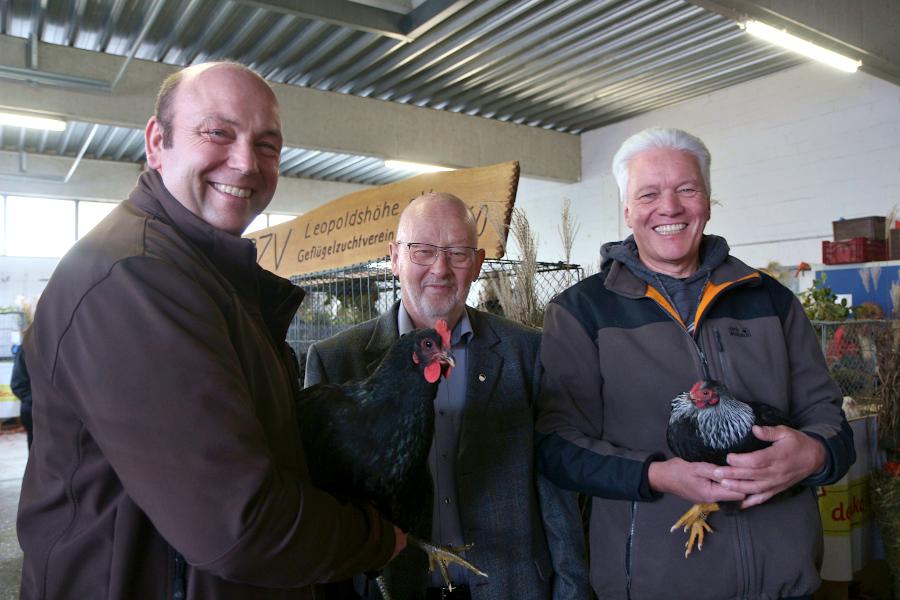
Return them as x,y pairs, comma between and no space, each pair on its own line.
483,373
384,334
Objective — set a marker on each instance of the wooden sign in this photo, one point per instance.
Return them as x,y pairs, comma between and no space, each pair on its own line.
357,228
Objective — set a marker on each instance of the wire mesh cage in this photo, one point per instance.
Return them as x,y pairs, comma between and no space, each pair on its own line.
340,298
852,351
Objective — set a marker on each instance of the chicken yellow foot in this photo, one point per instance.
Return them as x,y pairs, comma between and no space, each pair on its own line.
695,521
441,557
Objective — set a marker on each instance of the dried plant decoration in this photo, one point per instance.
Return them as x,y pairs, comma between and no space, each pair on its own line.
895,298
568,231
515,289
892,216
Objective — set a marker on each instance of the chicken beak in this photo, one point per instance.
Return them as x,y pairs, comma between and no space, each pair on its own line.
446,361
446,357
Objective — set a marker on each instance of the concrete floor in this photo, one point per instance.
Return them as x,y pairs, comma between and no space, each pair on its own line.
13,454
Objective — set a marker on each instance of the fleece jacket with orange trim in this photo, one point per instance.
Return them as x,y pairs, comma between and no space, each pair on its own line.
615,353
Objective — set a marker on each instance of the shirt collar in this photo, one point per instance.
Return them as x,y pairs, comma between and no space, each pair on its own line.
461,334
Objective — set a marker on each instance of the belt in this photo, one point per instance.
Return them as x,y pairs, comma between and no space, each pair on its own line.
460,592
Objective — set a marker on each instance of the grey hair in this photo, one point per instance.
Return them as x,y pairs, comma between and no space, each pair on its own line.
658,138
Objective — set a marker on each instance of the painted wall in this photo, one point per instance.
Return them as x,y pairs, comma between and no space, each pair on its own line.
791,153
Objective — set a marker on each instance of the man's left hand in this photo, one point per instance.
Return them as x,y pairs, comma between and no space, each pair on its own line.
792,457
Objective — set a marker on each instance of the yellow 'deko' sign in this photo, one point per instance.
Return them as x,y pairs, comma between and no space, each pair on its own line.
357,228
843,507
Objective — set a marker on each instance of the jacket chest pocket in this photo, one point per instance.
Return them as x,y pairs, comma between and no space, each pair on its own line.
750,358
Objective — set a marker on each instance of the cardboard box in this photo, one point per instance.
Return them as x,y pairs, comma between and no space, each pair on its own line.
843,506
857,250
871,228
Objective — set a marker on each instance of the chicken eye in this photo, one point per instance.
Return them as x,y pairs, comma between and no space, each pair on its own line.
428,344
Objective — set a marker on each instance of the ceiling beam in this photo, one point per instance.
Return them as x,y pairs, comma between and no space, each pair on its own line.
430,14
865,31
339,12
112,181
311,118
93,180
367,18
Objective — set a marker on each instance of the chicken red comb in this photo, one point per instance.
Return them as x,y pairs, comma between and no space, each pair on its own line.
444,332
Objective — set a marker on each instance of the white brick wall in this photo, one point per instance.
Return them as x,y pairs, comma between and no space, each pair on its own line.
791,153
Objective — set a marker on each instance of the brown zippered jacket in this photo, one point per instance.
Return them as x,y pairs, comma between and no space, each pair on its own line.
164,421
615,353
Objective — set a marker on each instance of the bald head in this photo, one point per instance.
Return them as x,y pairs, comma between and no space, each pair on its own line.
439,206
165,99
434,281
216,143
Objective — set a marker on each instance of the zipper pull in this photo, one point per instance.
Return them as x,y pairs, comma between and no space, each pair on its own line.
178,585
704,365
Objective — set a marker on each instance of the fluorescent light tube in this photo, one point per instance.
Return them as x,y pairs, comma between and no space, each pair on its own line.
402,165
29,122
782,38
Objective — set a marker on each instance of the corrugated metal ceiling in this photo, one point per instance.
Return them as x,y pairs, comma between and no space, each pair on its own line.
566,65
126,144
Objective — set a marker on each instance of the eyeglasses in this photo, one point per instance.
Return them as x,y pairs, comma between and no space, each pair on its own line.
426,254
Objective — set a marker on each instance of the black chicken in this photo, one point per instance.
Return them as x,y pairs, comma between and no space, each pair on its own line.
368,440
707,423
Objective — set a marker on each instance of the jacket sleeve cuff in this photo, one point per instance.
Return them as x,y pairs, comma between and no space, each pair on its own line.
572,467
646,493
383,530
840,453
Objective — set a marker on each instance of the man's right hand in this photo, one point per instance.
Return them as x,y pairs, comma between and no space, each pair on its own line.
399,541
691,481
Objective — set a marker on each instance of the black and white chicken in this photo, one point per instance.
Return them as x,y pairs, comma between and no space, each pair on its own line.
708,423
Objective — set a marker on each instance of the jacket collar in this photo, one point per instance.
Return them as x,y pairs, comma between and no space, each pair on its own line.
484,369
462,331
233,256
730,273
386,332
621,280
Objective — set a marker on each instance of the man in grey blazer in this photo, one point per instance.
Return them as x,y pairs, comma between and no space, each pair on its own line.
526,533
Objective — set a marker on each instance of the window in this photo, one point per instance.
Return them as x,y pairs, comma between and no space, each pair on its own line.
91,213
278,219
47,227
260,222
39,226
267,220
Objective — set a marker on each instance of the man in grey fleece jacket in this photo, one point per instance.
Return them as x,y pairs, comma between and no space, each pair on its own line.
669,307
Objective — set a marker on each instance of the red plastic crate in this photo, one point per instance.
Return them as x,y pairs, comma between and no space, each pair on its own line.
856,250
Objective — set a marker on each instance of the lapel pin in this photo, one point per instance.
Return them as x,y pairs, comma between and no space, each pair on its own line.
481,377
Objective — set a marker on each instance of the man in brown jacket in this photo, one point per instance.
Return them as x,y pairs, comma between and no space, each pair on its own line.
166,460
